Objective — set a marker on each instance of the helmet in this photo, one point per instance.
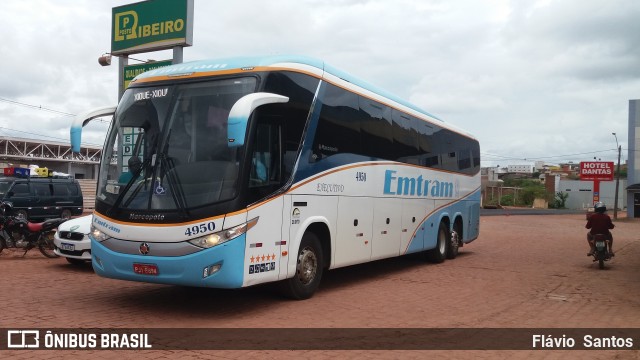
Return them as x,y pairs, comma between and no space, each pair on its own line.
600,207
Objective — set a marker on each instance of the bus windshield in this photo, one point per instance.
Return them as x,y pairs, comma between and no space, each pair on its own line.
167,147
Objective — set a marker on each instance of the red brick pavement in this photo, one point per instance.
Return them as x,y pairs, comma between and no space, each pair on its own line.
523,272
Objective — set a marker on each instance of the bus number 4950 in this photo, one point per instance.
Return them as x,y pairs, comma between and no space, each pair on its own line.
200,229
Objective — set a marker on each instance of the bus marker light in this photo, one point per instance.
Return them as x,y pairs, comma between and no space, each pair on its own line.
210,270
285,253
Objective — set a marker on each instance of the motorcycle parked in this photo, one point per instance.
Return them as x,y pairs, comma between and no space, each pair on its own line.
18,232
601,253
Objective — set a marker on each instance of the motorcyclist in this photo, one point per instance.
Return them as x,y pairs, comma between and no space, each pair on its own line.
599,223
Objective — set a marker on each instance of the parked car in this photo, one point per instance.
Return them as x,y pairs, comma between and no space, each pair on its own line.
41,198
72,240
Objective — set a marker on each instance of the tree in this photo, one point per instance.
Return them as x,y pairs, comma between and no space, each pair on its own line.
560,200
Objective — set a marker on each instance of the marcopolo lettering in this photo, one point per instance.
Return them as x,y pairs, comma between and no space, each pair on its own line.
416,186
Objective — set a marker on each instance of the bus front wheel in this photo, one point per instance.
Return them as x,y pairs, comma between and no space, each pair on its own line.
308,269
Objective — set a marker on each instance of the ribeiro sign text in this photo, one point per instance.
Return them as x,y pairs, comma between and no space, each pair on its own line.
151,25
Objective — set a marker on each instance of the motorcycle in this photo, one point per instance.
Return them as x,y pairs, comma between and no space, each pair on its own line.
17,232
601,253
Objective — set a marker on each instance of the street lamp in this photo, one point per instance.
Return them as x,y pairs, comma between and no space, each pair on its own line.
615,205
105,59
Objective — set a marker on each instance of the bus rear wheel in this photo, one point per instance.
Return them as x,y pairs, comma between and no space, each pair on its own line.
308,269
454,242
439,253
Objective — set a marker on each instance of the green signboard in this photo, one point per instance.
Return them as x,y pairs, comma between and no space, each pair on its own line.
151,25
131,71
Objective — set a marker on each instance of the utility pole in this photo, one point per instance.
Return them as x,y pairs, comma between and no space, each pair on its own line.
615,206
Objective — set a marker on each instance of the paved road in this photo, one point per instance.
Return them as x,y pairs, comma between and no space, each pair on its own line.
523,272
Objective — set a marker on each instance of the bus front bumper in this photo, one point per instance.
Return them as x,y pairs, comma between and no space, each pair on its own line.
221,266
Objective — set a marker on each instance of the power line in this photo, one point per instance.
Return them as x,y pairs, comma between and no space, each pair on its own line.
529,158
37,107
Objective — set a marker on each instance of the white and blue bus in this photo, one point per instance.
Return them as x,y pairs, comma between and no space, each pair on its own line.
235,172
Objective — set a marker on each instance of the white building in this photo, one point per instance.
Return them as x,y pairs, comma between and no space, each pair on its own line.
520,169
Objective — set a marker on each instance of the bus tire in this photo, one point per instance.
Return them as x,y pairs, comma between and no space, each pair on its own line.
454,242
308,269
439,253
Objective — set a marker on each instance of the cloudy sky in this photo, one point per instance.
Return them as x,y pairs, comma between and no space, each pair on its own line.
537,80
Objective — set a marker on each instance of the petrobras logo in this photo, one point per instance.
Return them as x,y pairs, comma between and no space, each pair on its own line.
396,184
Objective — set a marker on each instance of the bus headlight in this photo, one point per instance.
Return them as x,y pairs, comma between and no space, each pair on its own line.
223,236
97,235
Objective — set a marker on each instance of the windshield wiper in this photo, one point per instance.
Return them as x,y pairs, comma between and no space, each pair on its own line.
175,186
134,177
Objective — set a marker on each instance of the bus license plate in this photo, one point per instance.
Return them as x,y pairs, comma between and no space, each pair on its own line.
145,269
68,247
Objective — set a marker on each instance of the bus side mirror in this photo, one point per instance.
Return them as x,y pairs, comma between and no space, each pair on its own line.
241,111
81,120
76,138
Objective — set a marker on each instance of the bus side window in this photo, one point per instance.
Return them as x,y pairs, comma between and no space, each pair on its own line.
405,139
464,159
376,130
266,156
338,130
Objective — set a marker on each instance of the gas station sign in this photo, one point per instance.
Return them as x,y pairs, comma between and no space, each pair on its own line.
151,25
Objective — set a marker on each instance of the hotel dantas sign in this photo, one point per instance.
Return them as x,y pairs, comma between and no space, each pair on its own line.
151,25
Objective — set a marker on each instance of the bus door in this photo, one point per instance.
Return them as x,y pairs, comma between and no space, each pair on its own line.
265,178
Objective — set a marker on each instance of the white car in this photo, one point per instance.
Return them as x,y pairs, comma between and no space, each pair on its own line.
72,240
